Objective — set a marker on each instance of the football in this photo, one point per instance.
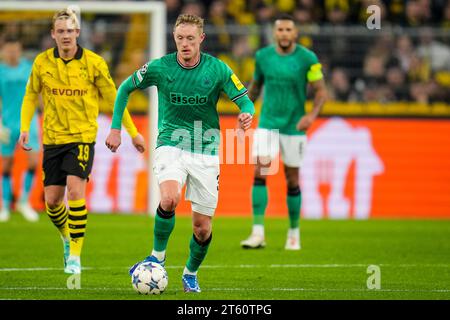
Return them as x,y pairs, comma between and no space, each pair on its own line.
149,278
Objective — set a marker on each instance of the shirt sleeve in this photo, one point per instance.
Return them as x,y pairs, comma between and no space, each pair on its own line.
107,89
147,75
31,98
232,86
315,69
120,103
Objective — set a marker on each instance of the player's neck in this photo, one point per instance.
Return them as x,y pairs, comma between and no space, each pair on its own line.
285,51
189,63
68,54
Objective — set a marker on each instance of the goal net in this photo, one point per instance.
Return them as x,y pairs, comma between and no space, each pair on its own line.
127,35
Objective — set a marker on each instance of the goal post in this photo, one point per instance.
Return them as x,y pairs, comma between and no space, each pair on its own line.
157,48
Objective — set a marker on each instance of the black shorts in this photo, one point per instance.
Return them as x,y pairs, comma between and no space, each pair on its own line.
61,160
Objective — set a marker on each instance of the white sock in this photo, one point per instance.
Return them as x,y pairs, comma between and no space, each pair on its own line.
258,229
76,258
160,255
294,232
186,271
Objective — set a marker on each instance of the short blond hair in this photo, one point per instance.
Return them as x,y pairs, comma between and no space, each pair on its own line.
189,19
66,14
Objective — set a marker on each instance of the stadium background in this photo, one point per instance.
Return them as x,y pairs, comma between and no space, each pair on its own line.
382,146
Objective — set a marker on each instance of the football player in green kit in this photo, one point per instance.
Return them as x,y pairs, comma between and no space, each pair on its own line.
285,69
189,83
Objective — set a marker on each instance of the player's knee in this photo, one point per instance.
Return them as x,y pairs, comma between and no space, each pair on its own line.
74,194
169,202
292,180
202,231
53,202
259,181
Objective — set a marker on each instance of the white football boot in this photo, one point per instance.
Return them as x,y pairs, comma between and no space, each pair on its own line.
293,239
27,212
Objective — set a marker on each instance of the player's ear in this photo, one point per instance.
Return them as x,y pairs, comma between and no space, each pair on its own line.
53,34
202,37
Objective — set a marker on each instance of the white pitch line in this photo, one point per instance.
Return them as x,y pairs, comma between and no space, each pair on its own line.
241,289
247,266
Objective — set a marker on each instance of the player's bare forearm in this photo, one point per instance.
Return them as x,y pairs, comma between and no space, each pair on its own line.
320,97
254,89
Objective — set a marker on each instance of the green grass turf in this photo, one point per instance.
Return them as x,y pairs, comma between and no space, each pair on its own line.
414,257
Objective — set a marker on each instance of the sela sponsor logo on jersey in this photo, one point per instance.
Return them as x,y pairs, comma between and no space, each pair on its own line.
180,100
68,92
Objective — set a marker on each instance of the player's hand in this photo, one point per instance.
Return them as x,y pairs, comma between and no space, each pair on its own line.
139,143
4,135
23,141
113,140
245,121
305,122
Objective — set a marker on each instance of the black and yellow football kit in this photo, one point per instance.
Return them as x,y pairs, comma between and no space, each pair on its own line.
71,92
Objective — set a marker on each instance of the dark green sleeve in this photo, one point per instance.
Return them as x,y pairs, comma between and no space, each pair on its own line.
120,103
245,104
143,78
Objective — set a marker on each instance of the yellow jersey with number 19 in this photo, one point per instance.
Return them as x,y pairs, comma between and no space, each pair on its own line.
71,92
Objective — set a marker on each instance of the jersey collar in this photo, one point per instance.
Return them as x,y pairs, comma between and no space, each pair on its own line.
77,56
189,68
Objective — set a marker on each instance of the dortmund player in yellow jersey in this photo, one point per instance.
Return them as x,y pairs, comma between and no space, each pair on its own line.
285,69
72,80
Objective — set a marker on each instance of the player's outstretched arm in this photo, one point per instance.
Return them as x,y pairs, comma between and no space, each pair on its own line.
113,140
320,97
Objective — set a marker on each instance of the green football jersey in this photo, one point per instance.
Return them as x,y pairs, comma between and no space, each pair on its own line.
285,79
187,100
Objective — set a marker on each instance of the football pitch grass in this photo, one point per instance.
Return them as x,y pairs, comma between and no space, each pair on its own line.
413,257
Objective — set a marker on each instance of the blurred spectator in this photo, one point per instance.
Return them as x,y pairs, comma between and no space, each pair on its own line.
416,14
419,70
403,51
434,52
194,7
264,13
241,58
341,89
396,83
446,17
303,15
337,11
373,79
219,39
173,8
395,10
240,11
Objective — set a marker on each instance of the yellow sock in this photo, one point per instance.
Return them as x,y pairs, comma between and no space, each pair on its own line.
77,225
58,216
